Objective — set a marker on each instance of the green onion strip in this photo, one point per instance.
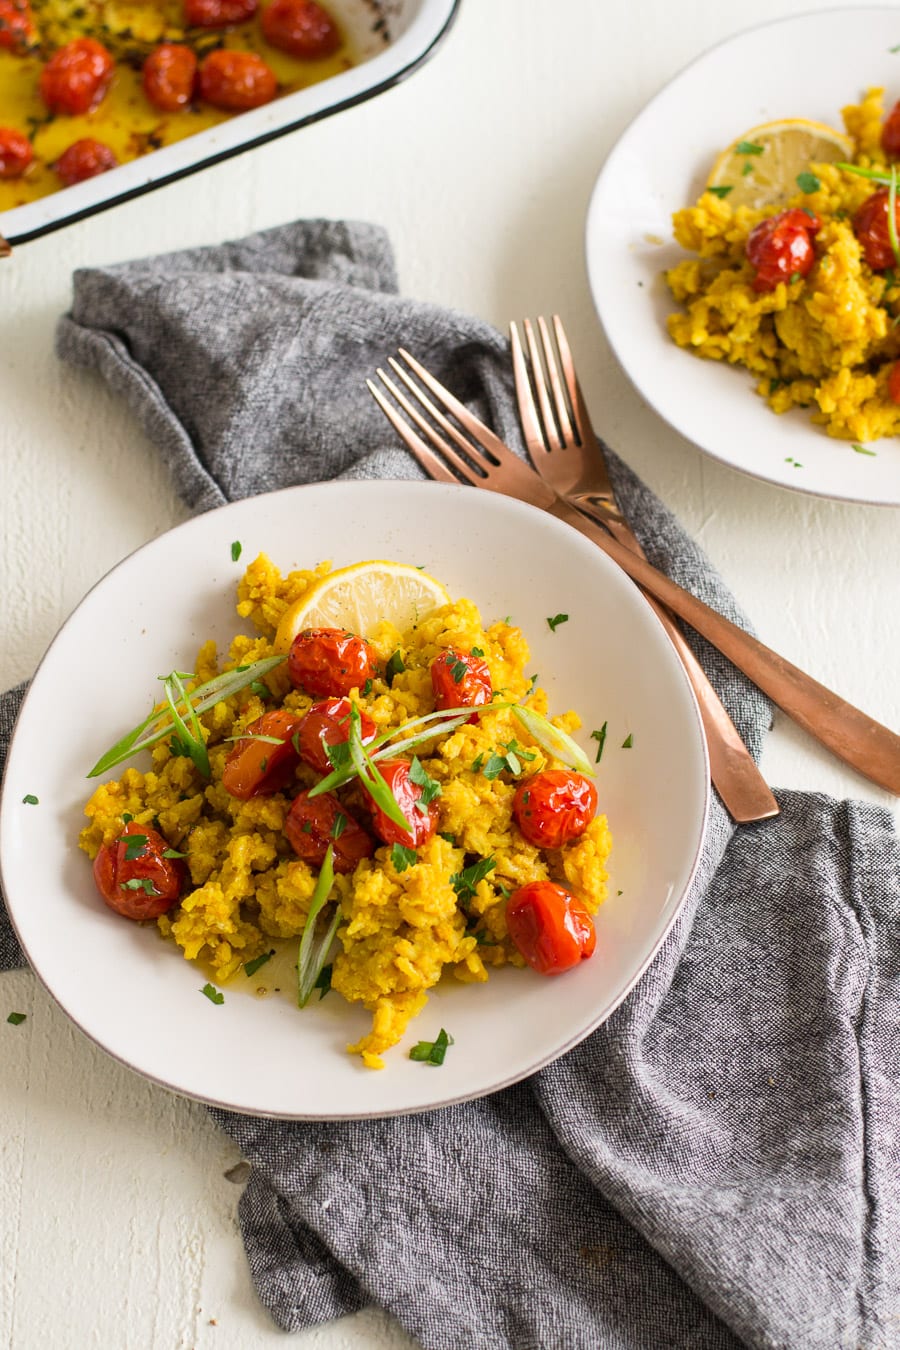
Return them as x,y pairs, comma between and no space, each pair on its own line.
892,215
313,954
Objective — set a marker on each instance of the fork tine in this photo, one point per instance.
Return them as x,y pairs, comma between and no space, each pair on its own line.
485,439
442,421
576,398
528,413
548,421
433,465
561,405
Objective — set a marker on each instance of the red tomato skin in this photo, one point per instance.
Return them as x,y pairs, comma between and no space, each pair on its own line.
894,383
301,28
870,225
17,31
84,159
16,153
422,824
256,768
309,829
112,869
76,77
169,75
329,662
328,723
781,247
890,133
473,689
554,807
236,81
549,927
217,13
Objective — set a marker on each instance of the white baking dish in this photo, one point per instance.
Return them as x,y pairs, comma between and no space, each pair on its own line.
390,39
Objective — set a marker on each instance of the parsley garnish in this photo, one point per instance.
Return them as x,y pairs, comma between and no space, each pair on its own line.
748,148
530,690
212,993
261,690
29,799
135,845
450,838
16,1019
477,651
628,742
367,687
251,967
477,762
403,857
457,667
338,754
860,450
144,884
393,668
556,621
173,853
432,1052
323,982
600,738
339,826
511,761
808,182
236,550
720,191
464,882
431,788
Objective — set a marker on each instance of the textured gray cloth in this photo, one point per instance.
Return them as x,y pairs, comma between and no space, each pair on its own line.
718,1164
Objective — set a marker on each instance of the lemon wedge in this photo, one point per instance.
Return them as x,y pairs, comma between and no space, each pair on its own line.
760,168
362,596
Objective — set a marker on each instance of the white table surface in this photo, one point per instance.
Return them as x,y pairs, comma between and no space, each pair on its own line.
117,1220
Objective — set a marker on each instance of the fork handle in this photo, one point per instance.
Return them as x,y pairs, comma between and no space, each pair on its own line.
854,737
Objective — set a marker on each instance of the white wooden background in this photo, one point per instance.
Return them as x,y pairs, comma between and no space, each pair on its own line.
117,1221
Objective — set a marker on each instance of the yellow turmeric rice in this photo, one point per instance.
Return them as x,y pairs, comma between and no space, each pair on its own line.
400,930
828,341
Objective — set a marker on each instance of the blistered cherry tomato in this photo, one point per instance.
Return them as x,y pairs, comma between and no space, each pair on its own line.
460,680
330,661
781,247
894,383
315,822
890,133
870,225
133,875
328,723
76,77
17,29
300,27
554,807
169,75
16,153
256,767
422,823
549,927
236,81
84,159
217,13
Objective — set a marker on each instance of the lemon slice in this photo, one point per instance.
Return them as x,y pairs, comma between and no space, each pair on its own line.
362,596
760,168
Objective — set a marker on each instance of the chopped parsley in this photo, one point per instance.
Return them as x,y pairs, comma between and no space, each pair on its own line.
808,182
600,738
477,762
628,742
530,690
323,981
511,762
860,450
367,688
748,148
393,668
144,884
212,993
260,690
477,651
556,621
236,550
29,799
16,1019
457,667
465,882
338,754
450,838
403,857
721,191
431,788
173,853
339,826
251,967
432,1052
135,845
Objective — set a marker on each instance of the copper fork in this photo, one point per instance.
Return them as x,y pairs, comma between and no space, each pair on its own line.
481,459
567,454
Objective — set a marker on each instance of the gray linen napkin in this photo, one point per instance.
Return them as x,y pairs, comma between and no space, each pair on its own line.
719,1164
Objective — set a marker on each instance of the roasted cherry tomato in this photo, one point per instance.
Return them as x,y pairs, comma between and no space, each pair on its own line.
549,927
169,76
133,875
781,247
76,77
328,723
300,27
894,383
890,133
460,680
236,81
554,807
422,823
217,13
84,159
315,822
16,153
330,661
870,225
17,29
256,767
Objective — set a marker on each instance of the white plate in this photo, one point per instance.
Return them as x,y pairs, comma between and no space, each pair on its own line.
808,66
140,1000
391,39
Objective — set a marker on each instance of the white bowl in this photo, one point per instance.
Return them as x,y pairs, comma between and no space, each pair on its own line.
391,39
135,996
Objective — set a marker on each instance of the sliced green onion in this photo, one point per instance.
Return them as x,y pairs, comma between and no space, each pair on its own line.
368,774
892,215
313,953
558,743
877,175
160,724
432,1052
191,737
